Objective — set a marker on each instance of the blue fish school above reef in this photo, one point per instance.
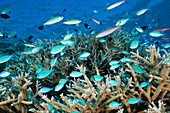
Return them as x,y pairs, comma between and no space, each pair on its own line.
108,70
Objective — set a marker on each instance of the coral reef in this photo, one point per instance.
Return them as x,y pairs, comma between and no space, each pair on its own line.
127,81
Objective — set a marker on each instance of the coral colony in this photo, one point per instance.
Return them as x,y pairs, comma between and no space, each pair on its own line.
84,74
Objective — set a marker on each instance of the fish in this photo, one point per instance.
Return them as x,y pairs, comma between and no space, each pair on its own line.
144,84
137,69
6,58
63,80
44,73
166,38
76,74
5,16
72,21
134,44
92,32
36,49
134,100
30,37
125,59
67,42
87,26
95,11
57,49
114,66
64,10
156,34
38,70
29,45
45,90
107,32
4,73
53,61
139,29
12,34
102,40
51,21
113,62
68,36
115,5
59,86
144,27
78,100
121,22
96,21
161,29
140,12
167,45
6,10
113,83
97,78
54,20
84,55
114,104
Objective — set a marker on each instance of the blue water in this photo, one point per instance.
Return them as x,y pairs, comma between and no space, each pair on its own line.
27,15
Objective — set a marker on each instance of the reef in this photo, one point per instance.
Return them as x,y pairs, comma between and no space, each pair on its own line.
141,73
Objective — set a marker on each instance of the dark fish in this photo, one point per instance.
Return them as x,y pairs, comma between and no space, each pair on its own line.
85,16
15,36
144,27
30,37
41,27
64,10
87,26
5,16
156,42
75,30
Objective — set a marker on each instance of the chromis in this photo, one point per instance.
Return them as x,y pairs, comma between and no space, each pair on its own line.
125,59
144,84
53,61
97,78
36,49
63,80
4,73
115,5
112,83
156,34
5,58
72,21
114,66
140,12
68,36
84,55
137,69
133,100
45,90
139,29
59,86
113,62
167,45
44,73
134,44
114,104
76,74
57,49
54,20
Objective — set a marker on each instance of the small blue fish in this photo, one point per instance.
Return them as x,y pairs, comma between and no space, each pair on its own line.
134,100
57,49
144,84
45,90
76,74
38,70
44,73
5,58
97,78
112,83
59,86
63,80
4,73
114,104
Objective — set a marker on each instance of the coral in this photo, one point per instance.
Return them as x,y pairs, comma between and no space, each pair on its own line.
85,94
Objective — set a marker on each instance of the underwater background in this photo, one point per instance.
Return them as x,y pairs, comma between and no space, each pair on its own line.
93,71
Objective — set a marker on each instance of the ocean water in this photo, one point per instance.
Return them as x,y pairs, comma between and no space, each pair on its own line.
27,15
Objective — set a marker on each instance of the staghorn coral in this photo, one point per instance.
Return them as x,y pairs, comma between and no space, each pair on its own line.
85,94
